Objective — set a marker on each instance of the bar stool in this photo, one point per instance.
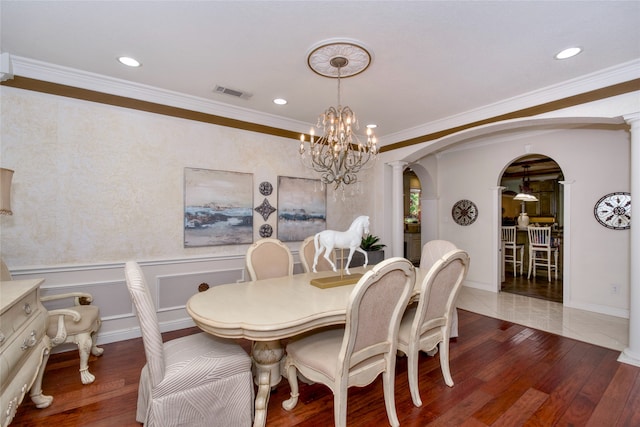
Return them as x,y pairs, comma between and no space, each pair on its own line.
509,239
540,250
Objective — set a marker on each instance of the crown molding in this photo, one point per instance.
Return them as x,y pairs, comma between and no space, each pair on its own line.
38,70
612,76
605,83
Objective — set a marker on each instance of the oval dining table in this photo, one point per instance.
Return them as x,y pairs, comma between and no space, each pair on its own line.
269,310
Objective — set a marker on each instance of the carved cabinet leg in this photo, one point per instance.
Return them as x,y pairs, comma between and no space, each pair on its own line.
266,356
41,400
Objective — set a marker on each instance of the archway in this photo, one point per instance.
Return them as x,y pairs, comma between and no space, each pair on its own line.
426,154
539,176
412,206
428,203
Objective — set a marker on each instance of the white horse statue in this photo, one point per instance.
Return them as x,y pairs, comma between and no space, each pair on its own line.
327,240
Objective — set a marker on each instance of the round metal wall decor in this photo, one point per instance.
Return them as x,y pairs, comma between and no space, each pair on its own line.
265,188
464,212
614,210
266,231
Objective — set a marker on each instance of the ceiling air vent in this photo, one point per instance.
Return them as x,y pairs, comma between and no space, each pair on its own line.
232,92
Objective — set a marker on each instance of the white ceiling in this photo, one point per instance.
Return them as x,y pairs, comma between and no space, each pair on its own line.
434,62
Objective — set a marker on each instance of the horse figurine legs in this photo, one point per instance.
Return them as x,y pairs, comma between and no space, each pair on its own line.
351,251
327,256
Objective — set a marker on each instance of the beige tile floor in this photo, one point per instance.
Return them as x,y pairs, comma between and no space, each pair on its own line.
599,329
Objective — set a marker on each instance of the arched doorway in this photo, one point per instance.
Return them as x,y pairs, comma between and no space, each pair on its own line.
427,227
412,201
538,176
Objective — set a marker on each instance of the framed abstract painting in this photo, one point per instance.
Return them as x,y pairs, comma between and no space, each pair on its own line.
218,208
302,208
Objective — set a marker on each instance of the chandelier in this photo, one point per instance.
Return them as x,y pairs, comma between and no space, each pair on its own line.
338,154
525,194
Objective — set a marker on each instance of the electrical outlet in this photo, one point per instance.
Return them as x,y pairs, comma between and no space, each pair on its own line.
614,289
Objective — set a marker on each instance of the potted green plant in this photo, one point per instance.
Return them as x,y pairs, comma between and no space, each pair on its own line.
374,248
370,243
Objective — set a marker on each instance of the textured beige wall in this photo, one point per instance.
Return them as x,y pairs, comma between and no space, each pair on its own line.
95,183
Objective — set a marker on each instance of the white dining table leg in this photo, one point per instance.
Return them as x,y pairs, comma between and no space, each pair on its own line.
267,357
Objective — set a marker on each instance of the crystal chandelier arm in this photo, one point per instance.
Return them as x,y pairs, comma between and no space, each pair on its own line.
319,157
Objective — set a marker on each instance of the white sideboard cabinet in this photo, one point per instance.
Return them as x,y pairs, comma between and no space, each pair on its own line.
24,346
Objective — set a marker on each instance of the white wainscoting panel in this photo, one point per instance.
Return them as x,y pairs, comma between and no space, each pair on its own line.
112,297
175,290
171,283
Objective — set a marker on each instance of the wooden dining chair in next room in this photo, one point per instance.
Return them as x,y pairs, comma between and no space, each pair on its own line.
511,248
428,325
269,258
366,347
308,252
198,380
541,251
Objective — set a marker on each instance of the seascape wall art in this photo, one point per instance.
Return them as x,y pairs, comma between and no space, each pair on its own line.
218,208
302,208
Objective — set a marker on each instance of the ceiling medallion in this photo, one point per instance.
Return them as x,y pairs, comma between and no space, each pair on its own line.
320,58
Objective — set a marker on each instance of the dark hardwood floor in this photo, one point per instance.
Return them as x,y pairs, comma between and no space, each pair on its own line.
536,287
505,375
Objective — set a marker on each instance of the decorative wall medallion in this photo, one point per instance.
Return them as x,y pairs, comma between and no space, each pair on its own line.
614,211
265,209
464,212
266,231
265,188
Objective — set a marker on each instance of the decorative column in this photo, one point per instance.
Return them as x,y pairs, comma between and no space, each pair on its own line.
497,245
567,296
397,209
631,354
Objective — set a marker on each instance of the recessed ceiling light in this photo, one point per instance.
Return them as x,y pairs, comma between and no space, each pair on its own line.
568,53
280,101
372,126
129,62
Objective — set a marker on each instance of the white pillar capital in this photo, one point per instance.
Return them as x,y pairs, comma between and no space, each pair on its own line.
397,164
632,118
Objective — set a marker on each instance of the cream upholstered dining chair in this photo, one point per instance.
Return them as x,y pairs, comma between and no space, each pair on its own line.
428,325
432,251
269,258
308,252
196,380
366,347
510,244
5,274
541,250
76,324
